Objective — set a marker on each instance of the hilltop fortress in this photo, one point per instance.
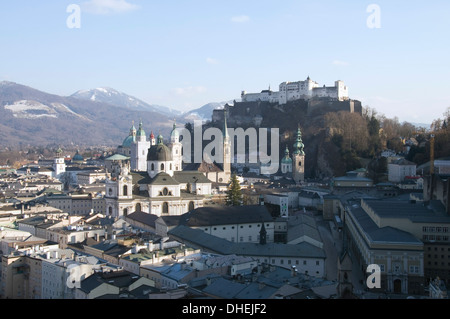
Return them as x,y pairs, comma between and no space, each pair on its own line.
291,91
294,100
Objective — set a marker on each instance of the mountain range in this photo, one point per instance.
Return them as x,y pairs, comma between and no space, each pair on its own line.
101,116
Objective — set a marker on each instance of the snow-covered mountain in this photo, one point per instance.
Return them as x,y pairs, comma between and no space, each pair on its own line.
120,99
35,117
205,112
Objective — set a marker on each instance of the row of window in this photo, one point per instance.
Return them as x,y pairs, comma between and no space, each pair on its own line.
152,167
412,269
435,237
433,229
250,238
232,227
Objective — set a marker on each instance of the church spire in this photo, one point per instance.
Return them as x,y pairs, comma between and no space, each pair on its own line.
225,127
298,145
263,235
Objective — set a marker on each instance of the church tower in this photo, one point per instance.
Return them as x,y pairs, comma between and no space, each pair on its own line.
298,159
152,139
59,165
226,147
177,149
139,151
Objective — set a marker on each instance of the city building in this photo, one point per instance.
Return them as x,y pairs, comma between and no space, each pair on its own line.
400,169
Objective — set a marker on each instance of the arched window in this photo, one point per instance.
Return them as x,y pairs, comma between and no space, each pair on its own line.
300,163
165,208
125,190
162,166
138,207
191,206
125,212
153,166
110,210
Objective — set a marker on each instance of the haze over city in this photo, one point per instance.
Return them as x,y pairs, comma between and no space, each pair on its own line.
184,54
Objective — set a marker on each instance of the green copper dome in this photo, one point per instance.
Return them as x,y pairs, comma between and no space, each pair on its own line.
140,132
131,138
175,133
128,141
286,159
77,157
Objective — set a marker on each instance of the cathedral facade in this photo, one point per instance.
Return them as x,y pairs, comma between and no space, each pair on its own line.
154,180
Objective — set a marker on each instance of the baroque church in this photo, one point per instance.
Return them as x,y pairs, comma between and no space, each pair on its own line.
151,179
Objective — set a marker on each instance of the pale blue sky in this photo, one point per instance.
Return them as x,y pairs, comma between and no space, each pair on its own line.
184,54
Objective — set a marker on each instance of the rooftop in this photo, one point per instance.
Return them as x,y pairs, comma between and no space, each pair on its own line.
198,238
224,215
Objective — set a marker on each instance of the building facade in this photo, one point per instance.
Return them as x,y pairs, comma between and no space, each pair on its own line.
291,91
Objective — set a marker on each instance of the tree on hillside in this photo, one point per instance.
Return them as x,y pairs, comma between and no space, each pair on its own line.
351,127
234,194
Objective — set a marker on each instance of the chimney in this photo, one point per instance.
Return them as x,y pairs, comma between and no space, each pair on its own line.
293,271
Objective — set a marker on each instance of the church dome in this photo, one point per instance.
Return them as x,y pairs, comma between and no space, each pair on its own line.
77,157
140,132
159,152
175,133
128,141
286,159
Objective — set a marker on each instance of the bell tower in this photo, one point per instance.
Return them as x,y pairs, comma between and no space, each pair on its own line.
298,159
177,149
226,147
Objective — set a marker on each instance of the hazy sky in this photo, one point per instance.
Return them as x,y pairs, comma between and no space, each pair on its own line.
184,54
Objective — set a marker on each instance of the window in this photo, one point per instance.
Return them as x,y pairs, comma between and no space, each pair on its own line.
165,208
162,166
165,191
125,190
153,167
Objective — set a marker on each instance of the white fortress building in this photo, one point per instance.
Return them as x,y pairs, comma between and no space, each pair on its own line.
291,91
